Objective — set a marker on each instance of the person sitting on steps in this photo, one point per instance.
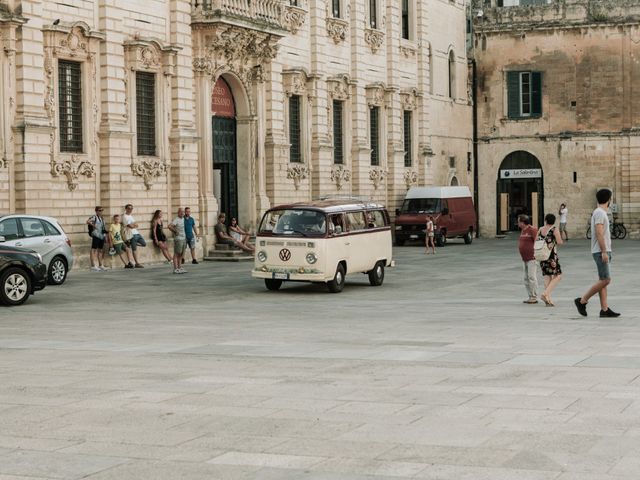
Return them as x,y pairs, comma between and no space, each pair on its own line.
223,238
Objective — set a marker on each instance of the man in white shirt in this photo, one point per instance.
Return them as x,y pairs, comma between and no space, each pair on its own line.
563,222
601,251
136,239
179,241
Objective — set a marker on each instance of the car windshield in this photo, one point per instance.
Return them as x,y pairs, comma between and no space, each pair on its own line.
421,205
300,223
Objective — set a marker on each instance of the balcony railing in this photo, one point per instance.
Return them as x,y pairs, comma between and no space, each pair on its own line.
260,12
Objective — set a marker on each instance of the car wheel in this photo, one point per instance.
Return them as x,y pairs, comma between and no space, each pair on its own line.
272,284
468,237
441,240
337,284
57,271
15,286
376,276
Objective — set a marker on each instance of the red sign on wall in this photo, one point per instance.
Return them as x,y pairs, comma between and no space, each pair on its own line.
222,104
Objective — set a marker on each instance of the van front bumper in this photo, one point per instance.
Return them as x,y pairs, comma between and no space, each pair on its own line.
289,275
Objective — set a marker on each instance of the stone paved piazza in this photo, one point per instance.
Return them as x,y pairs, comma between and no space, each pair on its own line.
442,373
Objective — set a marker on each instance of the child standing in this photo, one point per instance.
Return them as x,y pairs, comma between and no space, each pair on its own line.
115,238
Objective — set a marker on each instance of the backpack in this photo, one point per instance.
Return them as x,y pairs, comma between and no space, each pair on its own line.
90,228
541,250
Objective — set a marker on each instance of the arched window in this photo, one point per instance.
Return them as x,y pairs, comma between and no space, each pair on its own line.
452,74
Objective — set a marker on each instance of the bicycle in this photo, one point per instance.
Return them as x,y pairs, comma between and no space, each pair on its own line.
617,229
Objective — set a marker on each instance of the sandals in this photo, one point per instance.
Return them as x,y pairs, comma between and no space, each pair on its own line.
547,301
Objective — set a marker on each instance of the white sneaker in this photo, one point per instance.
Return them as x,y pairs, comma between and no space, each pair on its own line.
104,269
176,270
95,269
182,270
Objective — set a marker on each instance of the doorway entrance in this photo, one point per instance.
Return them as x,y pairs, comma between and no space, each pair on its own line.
225,159
520,191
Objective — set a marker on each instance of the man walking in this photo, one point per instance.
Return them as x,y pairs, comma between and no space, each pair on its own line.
601,251
97,230
135,238
179,241
191,233
528,234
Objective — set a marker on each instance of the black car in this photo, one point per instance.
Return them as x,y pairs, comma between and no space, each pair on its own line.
21,274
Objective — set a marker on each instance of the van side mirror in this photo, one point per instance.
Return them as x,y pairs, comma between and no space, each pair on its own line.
397,212
2,239
445,211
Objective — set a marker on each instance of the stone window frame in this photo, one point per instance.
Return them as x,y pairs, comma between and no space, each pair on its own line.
75,42
150,56
451,77
297,82
409,103
377,97
339,89
9,23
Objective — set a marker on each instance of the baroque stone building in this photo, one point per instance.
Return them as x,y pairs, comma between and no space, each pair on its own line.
556,109
227,105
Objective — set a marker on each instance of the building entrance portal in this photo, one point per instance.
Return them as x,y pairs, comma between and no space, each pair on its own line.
520,191
225,162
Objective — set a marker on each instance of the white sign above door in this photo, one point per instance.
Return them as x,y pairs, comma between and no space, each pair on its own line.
520,173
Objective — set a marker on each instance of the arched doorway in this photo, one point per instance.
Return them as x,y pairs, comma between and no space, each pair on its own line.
454,181
520,190
225,155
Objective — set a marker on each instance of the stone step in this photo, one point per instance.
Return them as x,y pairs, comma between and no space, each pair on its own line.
226,258
229,253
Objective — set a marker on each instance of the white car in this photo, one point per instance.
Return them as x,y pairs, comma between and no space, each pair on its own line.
43,235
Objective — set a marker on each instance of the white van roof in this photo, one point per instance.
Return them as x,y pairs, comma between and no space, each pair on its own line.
438,192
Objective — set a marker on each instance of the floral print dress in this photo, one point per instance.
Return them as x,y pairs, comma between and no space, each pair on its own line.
551,267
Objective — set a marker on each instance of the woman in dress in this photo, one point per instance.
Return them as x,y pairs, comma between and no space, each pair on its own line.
551,270
157,233
238,233
430,236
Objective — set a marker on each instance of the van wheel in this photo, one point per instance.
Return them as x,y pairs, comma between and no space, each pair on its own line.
337,284
272,284
376,276
15,286
468,237
400,242
57,271
441,240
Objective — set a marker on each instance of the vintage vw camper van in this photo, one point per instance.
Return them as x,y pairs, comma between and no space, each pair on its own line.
322,242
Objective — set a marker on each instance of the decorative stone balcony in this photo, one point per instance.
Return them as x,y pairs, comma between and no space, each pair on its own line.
262,15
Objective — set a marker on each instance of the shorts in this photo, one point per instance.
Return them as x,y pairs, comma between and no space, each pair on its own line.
430,235
604,273
137,240
191,242
119,247
225,241
179,246
563,227
97,243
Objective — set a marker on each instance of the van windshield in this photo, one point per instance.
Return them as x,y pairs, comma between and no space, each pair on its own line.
295,223
421,205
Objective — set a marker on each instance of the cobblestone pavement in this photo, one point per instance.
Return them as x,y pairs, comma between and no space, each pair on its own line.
442,373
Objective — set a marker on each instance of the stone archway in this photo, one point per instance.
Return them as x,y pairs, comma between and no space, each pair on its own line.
454,181
520,190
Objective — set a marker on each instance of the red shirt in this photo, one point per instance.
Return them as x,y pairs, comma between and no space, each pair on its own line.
525,245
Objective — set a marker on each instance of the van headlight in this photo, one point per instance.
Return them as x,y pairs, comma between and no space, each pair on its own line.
262,256
312,258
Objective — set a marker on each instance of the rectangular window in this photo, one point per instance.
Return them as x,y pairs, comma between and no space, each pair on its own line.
407,138
70,99
374,134
293,3
338,133
405,19
146,112
336,8
524,94
356,221
295,153
373,14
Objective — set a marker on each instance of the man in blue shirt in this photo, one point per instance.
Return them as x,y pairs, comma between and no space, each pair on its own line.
191,232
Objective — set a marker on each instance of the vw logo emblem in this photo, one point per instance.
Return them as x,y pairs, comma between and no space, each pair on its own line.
285,254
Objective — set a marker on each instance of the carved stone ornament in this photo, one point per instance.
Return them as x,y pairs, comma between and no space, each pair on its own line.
408,50
374,39
295,83
149,169
377,176
337,29
339,88
149,58
410,178
375,95
74,42
340,175
49,94
408,100
297,173
72,168
294,18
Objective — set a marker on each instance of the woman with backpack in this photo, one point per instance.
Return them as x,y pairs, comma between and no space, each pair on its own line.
97,230
548,240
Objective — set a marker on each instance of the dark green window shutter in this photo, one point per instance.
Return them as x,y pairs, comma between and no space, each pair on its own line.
536,94
513,94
